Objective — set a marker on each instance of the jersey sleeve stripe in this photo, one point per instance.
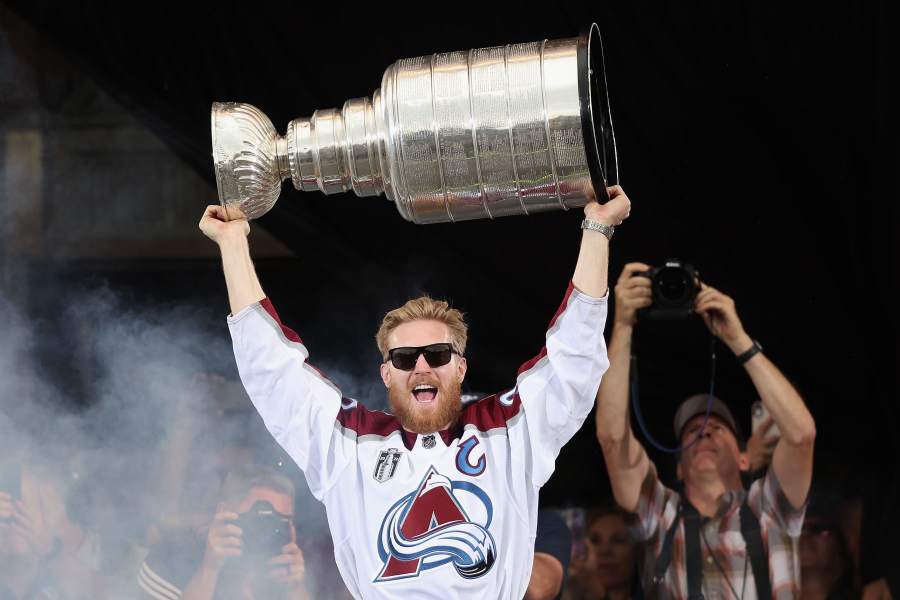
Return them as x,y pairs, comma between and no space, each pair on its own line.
156,586
292,340
562,308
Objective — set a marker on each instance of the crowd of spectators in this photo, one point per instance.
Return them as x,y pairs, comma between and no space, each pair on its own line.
65,536
216,511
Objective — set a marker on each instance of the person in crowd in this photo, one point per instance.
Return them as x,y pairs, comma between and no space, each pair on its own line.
204,440
552,552
711,536
826,564
44,552
26,540
248,551
434,498
879,574
608,571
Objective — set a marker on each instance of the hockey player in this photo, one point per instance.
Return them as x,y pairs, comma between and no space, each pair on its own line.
435,500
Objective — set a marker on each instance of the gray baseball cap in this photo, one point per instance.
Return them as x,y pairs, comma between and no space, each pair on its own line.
696,405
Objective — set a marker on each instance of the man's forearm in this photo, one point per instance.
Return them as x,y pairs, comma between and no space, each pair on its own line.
779,397
244,288
626,461
792,460
592,268
612,397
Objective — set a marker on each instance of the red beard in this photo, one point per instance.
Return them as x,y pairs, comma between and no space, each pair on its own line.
421,419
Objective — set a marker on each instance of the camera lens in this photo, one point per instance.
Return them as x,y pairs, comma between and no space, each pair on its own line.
673,285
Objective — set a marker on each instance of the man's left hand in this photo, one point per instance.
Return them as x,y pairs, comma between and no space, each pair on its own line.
613,212
761,446
288,569
29,524
720,315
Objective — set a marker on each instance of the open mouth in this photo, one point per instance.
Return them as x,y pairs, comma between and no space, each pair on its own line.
424,393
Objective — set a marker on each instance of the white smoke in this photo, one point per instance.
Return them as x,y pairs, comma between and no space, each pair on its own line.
98,386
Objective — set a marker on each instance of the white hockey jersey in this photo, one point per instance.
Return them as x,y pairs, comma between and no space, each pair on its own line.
447,515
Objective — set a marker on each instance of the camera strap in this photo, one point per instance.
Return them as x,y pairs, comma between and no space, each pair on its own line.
636,403
750,531
759,561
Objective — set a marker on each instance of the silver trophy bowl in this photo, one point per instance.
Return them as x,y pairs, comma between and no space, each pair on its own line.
490,132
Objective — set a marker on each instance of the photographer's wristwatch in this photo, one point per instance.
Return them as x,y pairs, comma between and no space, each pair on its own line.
743,357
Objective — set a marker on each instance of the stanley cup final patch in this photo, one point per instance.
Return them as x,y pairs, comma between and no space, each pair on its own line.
387,464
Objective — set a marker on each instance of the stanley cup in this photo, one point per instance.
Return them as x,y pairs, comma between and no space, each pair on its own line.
484,133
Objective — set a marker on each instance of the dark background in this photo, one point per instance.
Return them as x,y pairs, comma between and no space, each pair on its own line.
756,140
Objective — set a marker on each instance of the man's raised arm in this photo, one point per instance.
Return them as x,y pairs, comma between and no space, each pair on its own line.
792,461
244,288
592,269
558,386
297,403
626,460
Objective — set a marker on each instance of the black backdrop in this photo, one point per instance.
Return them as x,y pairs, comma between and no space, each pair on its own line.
756,140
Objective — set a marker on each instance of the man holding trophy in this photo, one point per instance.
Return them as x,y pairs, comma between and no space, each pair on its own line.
436,499
416,504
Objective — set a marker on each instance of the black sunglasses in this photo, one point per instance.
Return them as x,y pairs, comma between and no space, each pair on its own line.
436,355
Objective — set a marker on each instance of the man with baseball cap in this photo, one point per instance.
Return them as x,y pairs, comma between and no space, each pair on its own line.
711,538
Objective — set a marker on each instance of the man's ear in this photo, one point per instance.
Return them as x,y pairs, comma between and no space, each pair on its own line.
461,368
386,374
744,462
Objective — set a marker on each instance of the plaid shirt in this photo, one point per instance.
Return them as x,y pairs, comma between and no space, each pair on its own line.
780,526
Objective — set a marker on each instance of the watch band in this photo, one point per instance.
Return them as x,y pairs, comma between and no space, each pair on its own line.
743,357
606,230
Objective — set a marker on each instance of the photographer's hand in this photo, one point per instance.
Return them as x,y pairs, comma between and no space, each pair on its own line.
6,506
631,293
28,522
288,570
6,513
760,446
721,318
225,540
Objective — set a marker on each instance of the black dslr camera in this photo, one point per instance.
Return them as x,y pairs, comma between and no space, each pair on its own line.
265,530
674,287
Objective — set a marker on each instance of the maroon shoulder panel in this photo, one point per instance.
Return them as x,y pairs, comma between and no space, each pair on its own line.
363,421
288,332
491,412
559,311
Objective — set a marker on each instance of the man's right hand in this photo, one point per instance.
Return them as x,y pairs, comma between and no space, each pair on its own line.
215,225
632,293
6,506
224,540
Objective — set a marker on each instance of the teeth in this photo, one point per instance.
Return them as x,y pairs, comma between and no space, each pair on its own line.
422,386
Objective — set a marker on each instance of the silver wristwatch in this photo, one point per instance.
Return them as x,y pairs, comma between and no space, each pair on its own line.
606,230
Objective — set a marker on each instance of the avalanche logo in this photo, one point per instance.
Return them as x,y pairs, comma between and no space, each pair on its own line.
428,528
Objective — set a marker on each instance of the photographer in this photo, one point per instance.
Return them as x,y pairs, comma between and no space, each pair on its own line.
250,548
749,537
